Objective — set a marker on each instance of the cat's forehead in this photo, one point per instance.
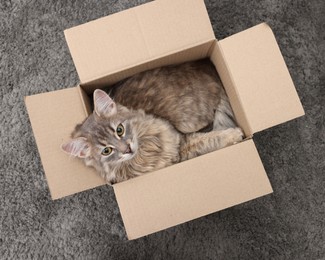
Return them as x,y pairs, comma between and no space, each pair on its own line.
103,126
94,121
112,122
97,129
101,134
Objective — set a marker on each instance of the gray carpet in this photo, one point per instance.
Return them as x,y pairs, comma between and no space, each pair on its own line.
289,224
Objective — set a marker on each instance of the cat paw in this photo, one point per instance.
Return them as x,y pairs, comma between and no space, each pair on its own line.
234,135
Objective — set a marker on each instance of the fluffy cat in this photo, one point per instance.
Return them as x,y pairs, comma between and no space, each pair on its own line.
122,143
190,96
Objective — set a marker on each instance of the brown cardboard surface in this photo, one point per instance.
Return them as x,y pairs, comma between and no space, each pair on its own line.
259,78
86,102
53,116
192,189
223,71
194,53
129,38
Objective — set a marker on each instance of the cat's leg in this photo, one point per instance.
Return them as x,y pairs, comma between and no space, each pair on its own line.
197,144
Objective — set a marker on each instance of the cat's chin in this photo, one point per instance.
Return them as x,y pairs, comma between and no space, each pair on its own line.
126,157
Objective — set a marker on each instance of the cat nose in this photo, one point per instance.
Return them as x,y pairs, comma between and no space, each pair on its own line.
128,149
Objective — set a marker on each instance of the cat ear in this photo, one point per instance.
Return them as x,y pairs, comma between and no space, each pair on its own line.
104,105
78,147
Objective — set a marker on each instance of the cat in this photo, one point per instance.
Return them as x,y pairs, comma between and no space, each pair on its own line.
122,143
190,96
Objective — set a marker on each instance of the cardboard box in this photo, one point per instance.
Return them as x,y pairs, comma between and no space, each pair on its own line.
159,33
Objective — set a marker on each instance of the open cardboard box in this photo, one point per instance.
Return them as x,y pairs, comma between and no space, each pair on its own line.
159,33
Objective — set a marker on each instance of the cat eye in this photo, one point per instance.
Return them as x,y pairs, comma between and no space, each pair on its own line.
107,151
120,130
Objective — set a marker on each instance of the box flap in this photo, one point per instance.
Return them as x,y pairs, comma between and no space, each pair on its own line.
53,116
137,35
259,78
192,189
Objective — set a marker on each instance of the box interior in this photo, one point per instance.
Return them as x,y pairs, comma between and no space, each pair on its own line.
193,53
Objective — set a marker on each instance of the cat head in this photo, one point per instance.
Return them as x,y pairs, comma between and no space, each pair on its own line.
105,138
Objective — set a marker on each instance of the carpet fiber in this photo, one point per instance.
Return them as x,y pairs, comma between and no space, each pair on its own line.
289,224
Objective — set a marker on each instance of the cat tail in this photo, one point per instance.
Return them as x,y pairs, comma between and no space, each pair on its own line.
224,116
